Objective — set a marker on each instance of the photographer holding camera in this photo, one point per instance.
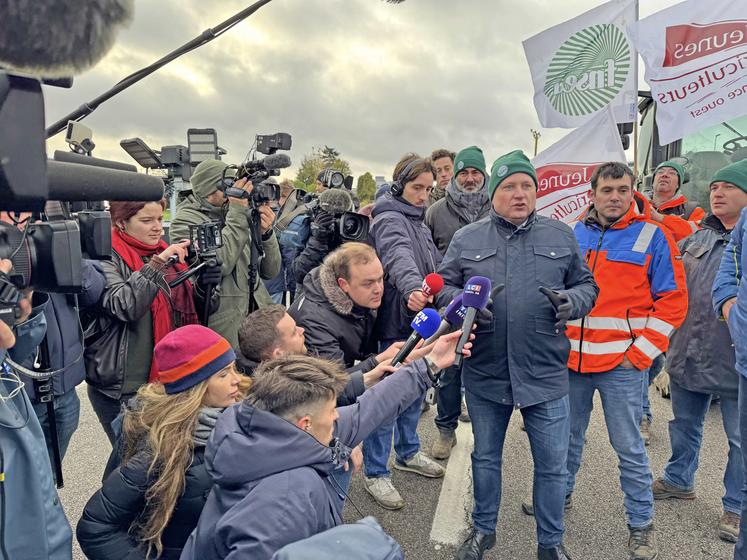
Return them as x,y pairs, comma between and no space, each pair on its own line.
138,307
207,202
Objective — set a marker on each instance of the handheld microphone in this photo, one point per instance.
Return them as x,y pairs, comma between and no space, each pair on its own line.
476,297
423,326
432,284
452,316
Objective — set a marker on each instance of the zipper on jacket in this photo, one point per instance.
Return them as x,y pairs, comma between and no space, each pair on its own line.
583,321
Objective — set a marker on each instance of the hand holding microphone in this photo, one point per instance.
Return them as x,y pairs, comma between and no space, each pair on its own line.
423,326
475,297
452,317
432,284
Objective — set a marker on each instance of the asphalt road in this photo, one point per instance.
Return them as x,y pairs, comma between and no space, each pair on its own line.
595,526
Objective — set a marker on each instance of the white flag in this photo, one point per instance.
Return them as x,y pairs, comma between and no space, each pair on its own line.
696,64
584,65
564,169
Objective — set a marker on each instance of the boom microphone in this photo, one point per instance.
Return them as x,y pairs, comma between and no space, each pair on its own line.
453,316
54,38
476,297
73,182
423,326
336,201
432,284
275,161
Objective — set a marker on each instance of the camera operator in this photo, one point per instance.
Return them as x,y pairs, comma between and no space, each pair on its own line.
64,346
272,483
32,521
291,198
138,307
209,203
325,236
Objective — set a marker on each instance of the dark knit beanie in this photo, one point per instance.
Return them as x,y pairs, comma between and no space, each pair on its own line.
190,355
508,164
470,157
677,167
736,173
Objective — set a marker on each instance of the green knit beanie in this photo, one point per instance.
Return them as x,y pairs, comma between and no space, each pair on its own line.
736,173
508,164
677,167
470,157
206,176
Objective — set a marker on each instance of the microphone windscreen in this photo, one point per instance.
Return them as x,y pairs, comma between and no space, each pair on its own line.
426,322
276,161
75,182
476,292
336,201
455,311
432,284
56,38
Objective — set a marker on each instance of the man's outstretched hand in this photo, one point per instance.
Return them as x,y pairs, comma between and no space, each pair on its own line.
444,349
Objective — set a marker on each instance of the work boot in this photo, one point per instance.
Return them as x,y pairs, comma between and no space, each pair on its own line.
642,543
663,490
728,527
645,430
420,464
475,545
383,491
527,506
442,448
464,416
555,553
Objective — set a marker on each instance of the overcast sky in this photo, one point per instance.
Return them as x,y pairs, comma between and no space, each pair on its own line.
372,79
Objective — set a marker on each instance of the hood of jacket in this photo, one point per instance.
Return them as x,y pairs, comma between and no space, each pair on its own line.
198,202
273,445
388,203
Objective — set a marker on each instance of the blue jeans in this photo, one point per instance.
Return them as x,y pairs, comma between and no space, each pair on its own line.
653,373
547,426
620,390
378,445
686,436
67,415
449,403
740,551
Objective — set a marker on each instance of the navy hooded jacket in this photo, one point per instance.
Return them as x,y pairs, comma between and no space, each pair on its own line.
271,479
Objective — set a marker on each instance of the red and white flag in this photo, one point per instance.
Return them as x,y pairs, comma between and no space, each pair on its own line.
696,64
564,169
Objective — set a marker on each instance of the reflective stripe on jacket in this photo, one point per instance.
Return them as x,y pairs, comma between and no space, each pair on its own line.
643,293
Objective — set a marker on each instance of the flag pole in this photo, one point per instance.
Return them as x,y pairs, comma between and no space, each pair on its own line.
635,122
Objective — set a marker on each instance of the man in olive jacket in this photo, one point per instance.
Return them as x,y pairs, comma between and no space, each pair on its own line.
206,203
519,358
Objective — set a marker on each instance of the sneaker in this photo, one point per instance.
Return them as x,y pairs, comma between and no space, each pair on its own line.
663,490
383,491
464,416
728,527
642,543
527,506
645,430
442,448
420,464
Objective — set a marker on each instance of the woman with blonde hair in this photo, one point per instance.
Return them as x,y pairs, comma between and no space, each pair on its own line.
149,505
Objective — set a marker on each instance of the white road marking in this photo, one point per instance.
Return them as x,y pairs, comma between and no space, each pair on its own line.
450,520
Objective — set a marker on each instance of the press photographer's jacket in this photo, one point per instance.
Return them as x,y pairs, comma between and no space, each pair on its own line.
234,256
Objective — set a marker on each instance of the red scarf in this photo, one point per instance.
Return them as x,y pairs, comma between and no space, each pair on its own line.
132,252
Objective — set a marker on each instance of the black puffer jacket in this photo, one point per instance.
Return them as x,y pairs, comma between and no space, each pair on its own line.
103,530
701,355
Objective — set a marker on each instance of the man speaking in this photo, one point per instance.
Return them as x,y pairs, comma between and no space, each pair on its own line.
519,356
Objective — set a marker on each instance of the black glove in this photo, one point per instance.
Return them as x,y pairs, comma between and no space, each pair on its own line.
485,316
210,275
323,225
562,304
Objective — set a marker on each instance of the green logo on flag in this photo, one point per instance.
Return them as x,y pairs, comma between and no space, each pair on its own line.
588,70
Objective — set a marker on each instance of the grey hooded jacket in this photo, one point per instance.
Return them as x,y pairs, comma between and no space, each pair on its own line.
447,216
701,354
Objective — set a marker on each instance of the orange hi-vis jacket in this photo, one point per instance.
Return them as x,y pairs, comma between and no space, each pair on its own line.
642,292
678,218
